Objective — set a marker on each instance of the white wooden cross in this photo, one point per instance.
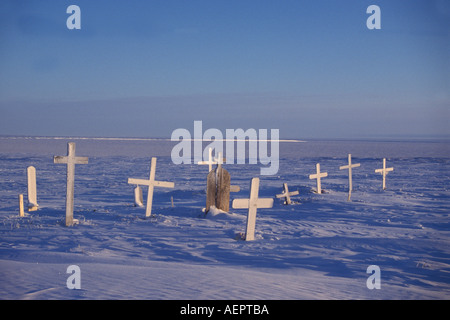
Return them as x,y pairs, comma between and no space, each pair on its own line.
286,194
210,160
317,176
252,205
71,160
220,160
151,183
384,171
349,167
32,197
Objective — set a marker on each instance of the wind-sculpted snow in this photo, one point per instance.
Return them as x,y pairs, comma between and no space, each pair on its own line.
317,248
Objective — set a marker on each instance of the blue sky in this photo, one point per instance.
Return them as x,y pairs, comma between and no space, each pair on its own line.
145,68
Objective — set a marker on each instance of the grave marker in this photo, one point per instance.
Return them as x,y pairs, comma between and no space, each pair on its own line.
71,160
21,212
218,187
318,175
210,160
286,194
151,183
32,195
349,167
138,199
219,160
384,171
252,204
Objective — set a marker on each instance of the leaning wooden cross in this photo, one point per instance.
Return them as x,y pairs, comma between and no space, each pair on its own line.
32,195
384,171
151,183
252,205
349,167
317,176
286,194
71,160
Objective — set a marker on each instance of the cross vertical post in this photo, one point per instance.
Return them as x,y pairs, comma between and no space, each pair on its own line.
317,176
151,188
252,205
384,171
71,160
349,167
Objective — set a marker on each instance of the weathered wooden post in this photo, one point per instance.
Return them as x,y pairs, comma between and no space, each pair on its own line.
218,187
71,160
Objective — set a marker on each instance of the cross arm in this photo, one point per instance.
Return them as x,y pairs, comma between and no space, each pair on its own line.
235,188
319,175
291,193
142,182
206,162
386,170
347,166
59,159
65,159
164,184
245,203
240,203
264,203
81,160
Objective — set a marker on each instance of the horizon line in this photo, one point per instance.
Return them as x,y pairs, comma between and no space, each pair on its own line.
440,138
142,139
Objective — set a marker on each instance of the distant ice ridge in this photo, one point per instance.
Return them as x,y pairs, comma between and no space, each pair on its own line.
135,139
86,138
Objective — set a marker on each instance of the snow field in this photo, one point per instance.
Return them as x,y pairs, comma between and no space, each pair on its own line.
318,248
